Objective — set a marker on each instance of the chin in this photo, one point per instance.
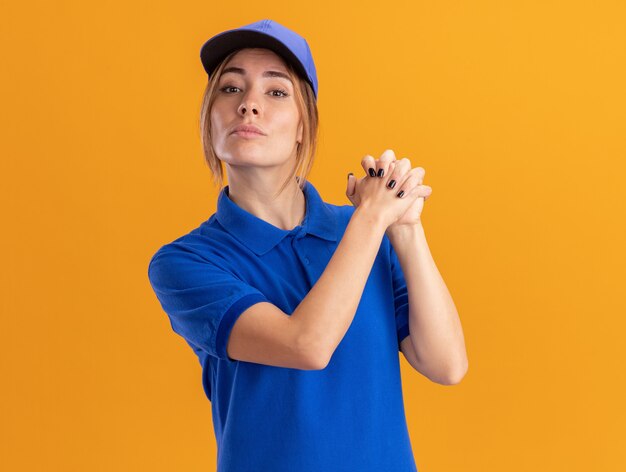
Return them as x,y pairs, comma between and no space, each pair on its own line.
247,156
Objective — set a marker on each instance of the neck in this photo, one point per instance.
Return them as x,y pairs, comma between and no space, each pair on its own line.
285,211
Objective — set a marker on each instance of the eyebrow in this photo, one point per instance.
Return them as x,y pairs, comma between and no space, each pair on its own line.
267,73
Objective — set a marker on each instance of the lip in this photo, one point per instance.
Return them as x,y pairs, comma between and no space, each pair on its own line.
247,134
247,130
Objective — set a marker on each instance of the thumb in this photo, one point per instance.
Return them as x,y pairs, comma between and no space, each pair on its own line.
350,187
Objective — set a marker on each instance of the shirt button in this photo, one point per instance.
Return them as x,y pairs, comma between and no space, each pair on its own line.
306,260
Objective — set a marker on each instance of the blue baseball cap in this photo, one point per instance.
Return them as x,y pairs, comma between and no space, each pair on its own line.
269,34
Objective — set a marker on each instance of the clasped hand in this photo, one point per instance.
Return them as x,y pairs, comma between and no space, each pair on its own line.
390,187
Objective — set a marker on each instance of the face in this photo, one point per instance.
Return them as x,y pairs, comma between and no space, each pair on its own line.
249,95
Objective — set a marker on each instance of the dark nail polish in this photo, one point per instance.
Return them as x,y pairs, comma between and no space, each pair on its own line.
400,193
381,172
392,184
372,172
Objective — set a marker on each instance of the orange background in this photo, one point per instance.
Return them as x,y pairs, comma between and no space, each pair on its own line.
515,109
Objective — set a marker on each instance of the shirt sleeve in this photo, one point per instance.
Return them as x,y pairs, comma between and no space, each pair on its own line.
202,300
400,297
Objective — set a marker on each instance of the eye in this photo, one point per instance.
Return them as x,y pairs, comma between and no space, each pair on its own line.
283,92
223,89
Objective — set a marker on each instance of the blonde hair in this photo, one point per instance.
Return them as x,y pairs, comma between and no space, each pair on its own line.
305,100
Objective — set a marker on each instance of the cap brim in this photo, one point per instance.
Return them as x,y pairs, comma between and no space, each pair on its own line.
218,47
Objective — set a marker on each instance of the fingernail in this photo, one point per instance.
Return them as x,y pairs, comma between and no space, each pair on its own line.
372,172
349,174
400,193
381,172
392,184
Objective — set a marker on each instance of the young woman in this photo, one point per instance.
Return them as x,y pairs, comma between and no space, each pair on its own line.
297,308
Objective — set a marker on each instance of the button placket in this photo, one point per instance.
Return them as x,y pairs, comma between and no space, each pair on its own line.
297,247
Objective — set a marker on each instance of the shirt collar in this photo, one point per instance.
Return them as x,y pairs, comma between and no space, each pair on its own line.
261,236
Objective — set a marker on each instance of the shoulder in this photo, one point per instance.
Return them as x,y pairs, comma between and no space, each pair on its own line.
206,244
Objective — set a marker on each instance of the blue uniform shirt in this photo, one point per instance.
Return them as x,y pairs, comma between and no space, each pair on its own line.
347,417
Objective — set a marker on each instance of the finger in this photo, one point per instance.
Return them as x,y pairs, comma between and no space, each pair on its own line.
399,174
422,191
350,188
369,165
384,163
392,178
408,187
421,172
351,185
413,188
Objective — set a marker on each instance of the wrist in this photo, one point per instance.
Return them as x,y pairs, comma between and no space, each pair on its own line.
372,218
404,231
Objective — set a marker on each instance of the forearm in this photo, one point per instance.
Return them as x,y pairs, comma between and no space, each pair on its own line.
434,324
327,311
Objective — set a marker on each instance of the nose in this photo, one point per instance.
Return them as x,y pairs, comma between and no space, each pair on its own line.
249,104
